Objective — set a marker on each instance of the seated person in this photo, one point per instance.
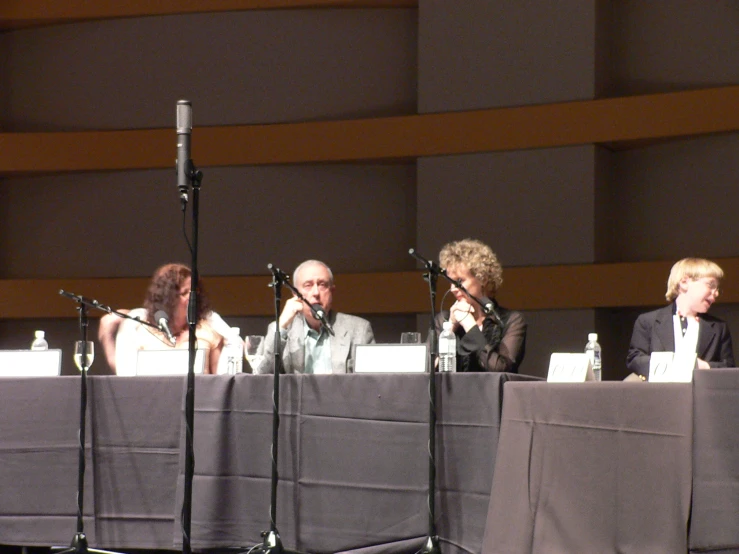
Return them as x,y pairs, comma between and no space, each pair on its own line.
168,291
684,324
306,346
495,342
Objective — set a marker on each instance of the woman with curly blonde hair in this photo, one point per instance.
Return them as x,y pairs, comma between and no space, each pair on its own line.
492,342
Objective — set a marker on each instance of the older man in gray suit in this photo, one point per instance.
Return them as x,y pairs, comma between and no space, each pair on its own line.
306,345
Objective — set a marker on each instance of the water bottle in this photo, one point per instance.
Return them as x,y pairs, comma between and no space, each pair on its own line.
447,348
592,349
39,343
233,350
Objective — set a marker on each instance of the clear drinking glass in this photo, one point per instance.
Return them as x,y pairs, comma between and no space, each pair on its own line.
410,338
90,351
254,350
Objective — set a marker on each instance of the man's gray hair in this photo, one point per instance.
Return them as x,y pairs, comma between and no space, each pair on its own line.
305,264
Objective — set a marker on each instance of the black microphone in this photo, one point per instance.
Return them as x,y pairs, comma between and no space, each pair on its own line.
488,306
430,265
162,321
279,275
78,298
184,129
320,314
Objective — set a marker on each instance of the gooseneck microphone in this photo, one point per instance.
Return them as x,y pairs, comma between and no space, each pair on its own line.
488,306
163,323
320,314
80,299
278,274
184,130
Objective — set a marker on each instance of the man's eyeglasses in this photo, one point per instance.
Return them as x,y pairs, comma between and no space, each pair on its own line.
323,286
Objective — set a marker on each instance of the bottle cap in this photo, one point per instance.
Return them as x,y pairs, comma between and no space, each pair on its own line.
447,325
39,334
593,337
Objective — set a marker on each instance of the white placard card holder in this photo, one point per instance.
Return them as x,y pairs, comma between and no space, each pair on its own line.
390,358
570,368
30,363
672,367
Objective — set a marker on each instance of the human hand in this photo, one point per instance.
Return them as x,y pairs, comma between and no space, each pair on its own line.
462,313
293,307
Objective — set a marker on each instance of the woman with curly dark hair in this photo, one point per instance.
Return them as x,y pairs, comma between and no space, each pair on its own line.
494,342
168,292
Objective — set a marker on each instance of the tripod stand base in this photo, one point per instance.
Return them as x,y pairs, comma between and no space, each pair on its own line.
431,546
79,546
272,545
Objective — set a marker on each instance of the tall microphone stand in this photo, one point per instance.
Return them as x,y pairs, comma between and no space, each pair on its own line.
272,543
195,177
431,275
79,541
432,272
188,174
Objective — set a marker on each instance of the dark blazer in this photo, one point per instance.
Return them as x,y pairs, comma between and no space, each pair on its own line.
493,348
349,330
654,332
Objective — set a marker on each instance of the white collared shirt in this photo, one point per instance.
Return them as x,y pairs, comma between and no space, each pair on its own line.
317,349
689,341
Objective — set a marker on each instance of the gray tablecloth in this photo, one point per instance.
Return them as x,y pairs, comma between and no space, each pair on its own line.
353,460
132,438
714,522
592,468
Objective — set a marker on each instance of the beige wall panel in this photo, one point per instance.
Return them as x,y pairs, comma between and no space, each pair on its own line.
675,200
356,218
534,207
236,68
664,46
483,54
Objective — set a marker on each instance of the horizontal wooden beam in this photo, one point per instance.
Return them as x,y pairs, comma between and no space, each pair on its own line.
16,14
563,287
605,121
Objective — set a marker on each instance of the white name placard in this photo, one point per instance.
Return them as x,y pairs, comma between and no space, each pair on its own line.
671,367
569,368
390,358
30,363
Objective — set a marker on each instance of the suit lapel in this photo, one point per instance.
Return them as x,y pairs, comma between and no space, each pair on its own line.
295,349
665,330
340,344
706,335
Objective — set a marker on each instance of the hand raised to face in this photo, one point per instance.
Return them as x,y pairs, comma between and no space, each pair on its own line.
292,308
462,313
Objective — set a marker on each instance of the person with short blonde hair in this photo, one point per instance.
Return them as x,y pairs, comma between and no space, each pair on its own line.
692,268
485,342
684,325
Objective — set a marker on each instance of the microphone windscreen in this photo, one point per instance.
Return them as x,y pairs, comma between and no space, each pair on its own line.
184,117
161,314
